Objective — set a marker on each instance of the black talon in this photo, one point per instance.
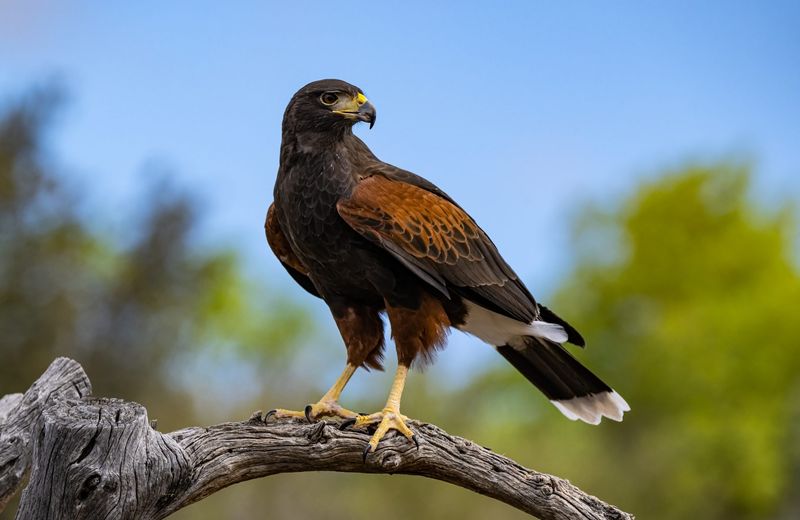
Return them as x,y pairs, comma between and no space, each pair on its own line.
308,413
270,414
346,424
366,452
416,440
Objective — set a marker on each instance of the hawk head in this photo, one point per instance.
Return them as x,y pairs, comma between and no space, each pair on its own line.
327,105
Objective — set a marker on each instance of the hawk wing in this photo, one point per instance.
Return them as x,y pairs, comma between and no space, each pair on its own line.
280,246
437,240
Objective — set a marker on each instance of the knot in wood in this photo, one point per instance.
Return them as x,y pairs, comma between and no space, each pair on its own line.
543,484
256,418
391,462
318,433
89,485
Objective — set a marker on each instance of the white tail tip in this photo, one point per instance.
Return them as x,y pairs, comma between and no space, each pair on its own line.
591,408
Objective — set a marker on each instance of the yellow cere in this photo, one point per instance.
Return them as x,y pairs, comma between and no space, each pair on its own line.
361,98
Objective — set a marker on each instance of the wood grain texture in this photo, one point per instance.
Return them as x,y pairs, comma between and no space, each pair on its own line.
100,458
21,419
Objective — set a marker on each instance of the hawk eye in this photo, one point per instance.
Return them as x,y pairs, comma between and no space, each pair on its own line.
329,98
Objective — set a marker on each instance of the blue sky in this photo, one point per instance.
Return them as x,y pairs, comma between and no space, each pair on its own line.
522,111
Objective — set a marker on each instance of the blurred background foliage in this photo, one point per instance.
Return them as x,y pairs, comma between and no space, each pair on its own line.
687,291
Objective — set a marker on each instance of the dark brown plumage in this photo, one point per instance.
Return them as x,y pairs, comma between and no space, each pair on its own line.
370,238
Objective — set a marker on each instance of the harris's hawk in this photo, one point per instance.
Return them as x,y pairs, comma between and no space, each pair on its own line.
372,239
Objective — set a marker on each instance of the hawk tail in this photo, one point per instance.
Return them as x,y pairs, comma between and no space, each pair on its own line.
570,386
535,350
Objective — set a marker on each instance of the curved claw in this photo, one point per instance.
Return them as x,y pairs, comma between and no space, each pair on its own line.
367,450
307,412
346,424
270,414
416,441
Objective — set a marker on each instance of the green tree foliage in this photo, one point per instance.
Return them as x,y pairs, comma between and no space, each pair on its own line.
125,308
694,318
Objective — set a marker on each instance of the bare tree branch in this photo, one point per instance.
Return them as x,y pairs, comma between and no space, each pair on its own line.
21,418
100,458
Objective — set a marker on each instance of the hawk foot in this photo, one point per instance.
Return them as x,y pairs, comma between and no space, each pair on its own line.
387,419
314,412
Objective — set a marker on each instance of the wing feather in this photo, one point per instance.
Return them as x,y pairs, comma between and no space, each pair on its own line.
437,240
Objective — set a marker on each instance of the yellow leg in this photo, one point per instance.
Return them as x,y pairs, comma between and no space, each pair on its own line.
327,406
387,419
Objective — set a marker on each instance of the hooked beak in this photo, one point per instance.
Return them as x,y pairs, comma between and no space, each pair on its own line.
367,114
360,109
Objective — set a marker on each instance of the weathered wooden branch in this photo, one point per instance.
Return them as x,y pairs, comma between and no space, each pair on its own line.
100,458
21,419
